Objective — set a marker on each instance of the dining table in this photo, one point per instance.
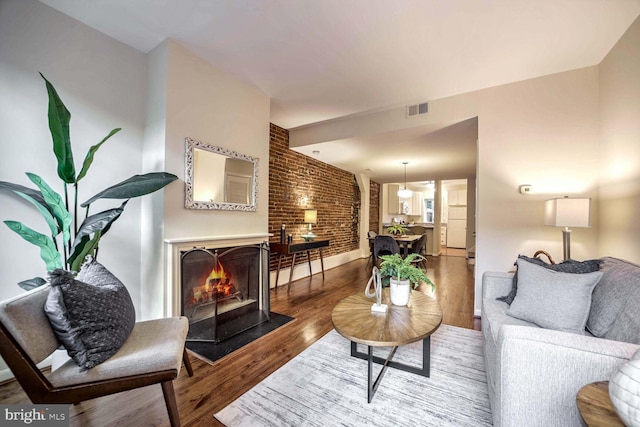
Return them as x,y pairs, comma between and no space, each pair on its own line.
404,241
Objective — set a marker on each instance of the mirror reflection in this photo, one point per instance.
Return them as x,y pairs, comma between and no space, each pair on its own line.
217,178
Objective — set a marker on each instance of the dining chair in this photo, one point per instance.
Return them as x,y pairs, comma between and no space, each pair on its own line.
152,354
417,229
384,245
420,247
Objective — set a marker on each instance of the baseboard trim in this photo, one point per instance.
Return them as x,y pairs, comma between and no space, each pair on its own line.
302,269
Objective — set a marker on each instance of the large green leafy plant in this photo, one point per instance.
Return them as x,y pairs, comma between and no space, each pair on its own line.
71,238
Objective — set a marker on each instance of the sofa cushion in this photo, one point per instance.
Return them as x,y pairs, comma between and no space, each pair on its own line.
552,299
495,314
92,317
568,266
615,305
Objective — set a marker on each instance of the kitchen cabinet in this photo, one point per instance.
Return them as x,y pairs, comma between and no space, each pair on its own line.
393,201
411,205
457,197
416,203
403,205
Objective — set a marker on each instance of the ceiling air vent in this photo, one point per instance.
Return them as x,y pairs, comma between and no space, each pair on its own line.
417,109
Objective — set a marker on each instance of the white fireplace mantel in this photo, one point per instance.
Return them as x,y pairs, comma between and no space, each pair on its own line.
173,248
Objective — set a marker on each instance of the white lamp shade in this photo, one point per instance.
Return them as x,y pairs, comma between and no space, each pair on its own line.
567,212
311,216
404,193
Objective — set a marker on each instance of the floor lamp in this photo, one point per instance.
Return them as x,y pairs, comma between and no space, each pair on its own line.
567,212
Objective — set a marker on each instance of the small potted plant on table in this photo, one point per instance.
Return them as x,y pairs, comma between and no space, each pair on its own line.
400,273
397,229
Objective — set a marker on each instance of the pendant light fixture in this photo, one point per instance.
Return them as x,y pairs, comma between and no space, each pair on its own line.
405,192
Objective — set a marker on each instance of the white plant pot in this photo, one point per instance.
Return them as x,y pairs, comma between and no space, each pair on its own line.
400,291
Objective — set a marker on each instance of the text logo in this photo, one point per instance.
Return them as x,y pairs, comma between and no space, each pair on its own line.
34,415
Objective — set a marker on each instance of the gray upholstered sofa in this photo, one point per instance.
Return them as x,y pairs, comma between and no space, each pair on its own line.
534,373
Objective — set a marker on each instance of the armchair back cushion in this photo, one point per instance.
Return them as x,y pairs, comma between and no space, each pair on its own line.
25,319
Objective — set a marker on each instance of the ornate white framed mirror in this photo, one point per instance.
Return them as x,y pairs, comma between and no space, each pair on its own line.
219,178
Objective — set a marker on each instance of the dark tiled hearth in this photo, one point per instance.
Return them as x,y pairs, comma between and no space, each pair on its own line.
212,351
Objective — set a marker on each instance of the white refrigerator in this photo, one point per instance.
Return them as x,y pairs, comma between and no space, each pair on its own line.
457,227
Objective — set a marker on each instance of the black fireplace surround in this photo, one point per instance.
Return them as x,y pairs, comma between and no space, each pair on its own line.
224,291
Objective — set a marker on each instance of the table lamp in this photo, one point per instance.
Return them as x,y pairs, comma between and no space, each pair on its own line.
310,217
567,212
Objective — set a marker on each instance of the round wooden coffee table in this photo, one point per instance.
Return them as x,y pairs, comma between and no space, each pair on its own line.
353,319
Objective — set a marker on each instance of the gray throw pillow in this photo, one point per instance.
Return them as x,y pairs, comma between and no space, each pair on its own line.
91,315
552,299
568,266
615,305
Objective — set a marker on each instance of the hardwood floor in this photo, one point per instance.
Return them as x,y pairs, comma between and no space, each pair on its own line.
214,386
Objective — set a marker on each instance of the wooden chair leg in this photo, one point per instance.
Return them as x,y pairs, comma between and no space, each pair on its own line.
172,405
187,362
369,261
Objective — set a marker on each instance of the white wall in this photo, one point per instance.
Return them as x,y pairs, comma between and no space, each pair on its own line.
208,105
102,83
152,217
364,184
102,92
619,232
542,132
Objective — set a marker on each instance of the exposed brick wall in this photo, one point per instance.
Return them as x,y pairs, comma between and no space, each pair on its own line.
297,182
374,206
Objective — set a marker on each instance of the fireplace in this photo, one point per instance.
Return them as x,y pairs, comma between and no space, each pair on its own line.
224,291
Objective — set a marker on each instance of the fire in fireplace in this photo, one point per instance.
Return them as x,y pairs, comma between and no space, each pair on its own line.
217,288
224,291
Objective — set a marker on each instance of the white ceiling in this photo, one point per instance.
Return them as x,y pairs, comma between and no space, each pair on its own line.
322,59
447,152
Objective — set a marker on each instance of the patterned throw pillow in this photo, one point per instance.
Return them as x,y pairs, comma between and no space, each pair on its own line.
568,266
92,315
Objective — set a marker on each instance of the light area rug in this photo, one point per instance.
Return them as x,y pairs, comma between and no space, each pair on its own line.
325,386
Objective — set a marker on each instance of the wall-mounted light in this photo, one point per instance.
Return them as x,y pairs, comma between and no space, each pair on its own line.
405,192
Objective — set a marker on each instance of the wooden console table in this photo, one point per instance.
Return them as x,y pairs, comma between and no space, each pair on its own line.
284,249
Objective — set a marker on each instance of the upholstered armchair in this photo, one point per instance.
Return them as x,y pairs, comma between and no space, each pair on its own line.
153,353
